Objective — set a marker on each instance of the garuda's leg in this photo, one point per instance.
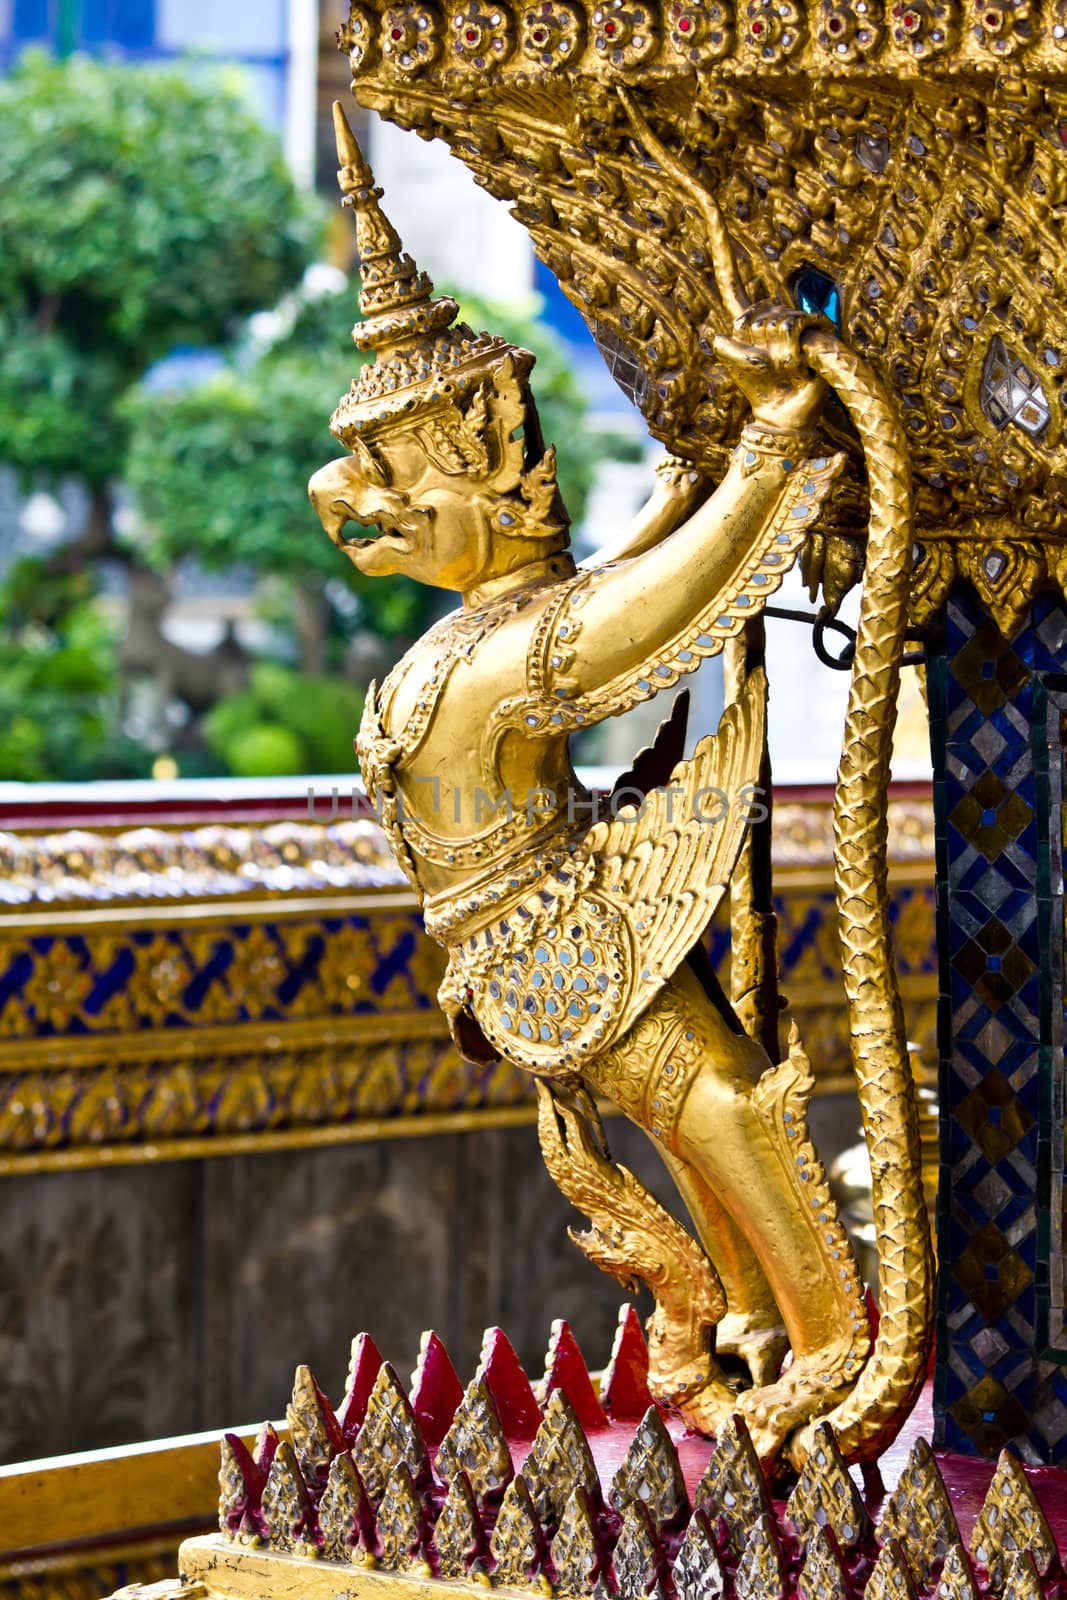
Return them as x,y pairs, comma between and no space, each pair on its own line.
733,1130
752,1329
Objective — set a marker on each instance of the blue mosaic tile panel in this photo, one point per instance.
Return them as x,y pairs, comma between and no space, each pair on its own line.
998,753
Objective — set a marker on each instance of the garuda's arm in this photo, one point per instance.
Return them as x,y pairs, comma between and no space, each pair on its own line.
629,627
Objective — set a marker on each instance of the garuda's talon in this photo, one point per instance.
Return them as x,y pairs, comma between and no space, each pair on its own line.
762,1350
810,1386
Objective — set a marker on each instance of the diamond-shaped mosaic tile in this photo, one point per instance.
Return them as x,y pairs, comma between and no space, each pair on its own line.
990,815
991,1272
993,1116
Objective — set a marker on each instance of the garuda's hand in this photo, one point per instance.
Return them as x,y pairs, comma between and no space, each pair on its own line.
767,363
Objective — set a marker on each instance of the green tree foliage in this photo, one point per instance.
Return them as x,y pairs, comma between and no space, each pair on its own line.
142,211
59,682
286,722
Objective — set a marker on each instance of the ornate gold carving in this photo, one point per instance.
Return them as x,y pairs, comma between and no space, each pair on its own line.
732,1541
826,1497
389,1439
697,1571
957,1580
313,1429
631,1237
346,1520
891,1578
475,1445
733,1490
458,1537
578,1553
401,1523
761,1572
559,1463
1022,1580
146,865
638,1563
919,1515
651,1474
1011,1520
287,1511
822,1577
518,1544
557,948
241,1482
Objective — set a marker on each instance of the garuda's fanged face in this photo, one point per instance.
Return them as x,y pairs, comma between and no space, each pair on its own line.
442,496
412,517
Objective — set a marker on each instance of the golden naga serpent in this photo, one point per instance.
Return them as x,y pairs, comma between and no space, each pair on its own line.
869,1418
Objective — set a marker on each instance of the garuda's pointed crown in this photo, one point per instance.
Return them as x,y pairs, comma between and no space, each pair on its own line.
423,357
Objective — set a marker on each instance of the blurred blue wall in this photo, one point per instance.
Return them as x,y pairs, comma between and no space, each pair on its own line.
250,33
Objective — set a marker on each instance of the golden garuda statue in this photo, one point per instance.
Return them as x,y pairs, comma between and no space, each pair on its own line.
574,939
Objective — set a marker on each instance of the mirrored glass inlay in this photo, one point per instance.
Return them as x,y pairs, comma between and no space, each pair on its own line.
622,364
1010,392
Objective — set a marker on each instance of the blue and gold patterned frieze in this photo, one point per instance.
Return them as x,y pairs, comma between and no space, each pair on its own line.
1000,933
371,961
145,1011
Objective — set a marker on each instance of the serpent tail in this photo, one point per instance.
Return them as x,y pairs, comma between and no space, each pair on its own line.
869,1419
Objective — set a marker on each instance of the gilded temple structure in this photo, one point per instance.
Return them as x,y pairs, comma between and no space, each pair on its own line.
819,246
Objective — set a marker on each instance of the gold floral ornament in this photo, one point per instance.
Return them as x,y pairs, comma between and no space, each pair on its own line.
849,32
773,29
358,36
700,31
480,34
552,31
924,28
410,37
1005,26
1011,1520
624,34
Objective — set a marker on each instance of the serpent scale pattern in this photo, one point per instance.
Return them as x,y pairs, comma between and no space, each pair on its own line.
867,1421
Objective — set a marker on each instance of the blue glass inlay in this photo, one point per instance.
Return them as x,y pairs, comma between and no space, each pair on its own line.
816,293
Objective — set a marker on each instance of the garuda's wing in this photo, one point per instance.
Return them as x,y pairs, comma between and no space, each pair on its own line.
665,863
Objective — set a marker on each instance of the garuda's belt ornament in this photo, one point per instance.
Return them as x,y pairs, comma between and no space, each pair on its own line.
574,942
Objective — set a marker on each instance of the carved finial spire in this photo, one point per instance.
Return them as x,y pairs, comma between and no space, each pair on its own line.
559,1460
578,1551
389,1435
698,1572
518,1544
733,1490
822,1577
638,1560
314,1431
651,1474
475,1445
891,1578
396,299
346,1520
421,356
761,1574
